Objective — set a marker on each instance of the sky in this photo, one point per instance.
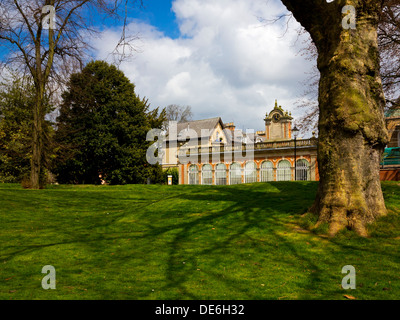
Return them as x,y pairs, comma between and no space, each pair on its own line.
220,57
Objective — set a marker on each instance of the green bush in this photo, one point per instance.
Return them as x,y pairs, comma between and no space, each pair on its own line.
171,172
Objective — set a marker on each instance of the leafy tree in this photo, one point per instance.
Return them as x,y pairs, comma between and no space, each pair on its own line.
16,122
352,132
42,49
156,117
102,129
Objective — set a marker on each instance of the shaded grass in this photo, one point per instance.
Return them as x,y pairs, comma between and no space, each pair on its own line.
188,242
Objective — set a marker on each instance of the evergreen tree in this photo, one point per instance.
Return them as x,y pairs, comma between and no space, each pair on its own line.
102,129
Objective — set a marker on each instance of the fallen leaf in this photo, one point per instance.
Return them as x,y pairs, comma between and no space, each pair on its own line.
349,297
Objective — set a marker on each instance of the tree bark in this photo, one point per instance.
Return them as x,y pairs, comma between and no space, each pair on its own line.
41,77
352,133
37,141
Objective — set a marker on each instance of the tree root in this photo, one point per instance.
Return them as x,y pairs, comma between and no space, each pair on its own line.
343,218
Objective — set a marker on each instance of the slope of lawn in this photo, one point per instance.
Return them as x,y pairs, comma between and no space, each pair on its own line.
247,241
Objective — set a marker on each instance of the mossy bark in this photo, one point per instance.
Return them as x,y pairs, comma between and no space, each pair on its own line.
352,133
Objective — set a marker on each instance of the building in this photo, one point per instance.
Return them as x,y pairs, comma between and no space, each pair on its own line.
211,152
392,118
390,165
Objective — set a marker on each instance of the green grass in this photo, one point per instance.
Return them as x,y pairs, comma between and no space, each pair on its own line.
188,242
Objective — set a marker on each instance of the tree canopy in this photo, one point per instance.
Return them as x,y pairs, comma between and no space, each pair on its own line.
102,129
44,39
16,99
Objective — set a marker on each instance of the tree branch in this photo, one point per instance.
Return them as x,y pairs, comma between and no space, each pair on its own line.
26,20
25,55
307,12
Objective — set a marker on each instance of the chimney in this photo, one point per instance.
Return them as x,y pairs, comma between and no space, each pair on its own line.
230,126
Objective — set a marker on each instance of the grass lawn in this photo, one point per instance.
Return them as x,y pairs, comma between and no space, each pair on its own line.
246,241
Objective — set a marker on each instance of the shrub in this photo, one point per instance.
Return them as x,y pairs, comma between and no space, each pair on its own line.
174,172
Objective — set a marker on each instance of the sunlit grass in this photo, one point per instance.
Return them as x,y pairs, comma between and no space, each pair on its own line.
246,241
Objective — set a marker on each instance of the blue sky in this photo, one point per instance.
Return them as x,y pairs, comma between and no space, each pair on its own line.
216,56
159,13
219,57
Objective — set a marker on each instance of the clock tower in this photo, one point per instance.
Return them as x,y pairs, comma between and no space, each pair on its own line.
278,124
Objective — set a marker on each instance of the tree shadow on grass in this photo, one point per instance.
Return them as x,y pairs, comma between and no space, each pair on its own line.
251,210
210,228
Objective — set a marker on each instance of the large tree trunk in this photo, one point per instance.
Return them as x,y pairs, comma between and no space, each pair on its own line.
352,133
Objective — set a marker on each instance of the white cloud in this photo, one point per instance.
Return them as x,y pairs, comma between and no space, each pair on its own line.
226,63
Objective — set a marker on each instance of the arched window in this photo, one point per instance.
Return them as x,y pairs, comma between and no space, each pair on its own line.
193,174
220,174
206,174
284,172
302,170
267,171
235,174
250,172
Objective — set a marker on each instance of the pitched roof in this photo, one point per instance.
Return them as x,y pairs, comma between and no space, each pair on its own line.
198,126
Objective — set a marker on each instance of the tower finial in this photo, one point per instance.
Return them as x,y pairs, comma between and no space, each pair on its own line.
276,103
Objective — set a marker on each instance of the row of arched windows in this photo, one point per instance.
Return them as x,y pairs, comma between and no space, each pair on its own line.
249,172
